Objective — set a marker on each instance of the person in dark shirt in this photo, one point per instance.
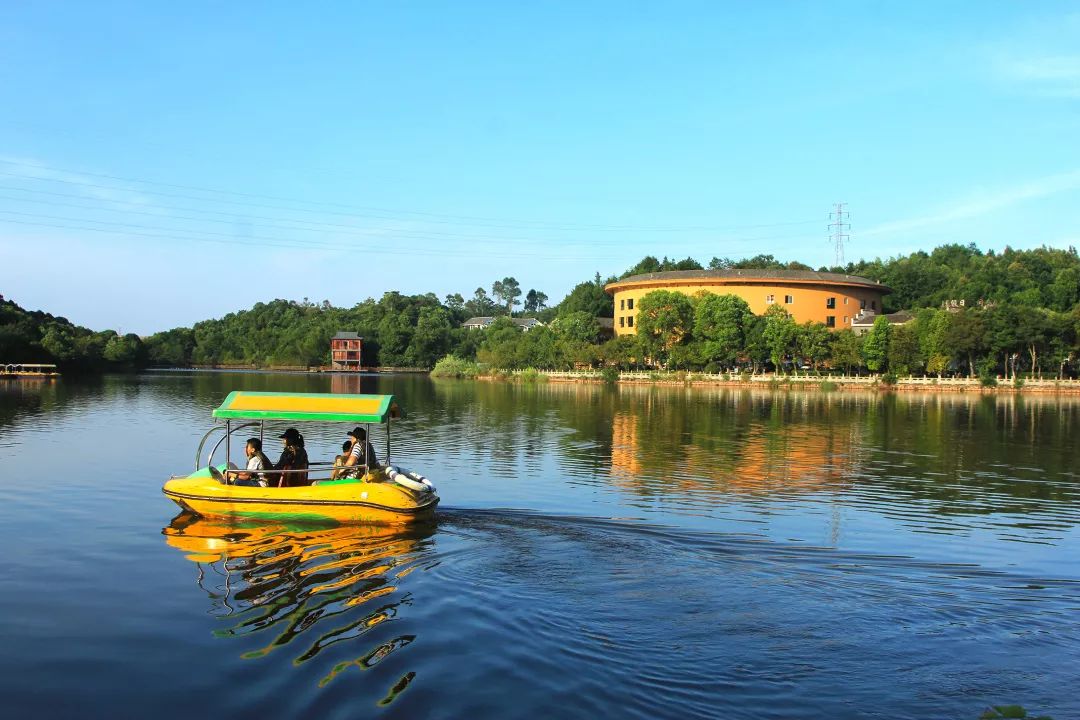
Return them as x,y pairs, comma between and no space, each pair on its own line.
293,457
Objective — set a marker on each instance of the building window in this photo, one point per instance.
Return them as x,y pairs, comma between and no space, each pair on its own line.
630,321
830,303
862,304
770,299
622,304
630,304
845,301
622,322
845,319
830,321
873,304
789,299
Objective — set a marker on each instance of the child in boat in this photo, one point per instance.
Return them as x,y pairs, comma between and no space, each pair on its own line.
361,453
340,460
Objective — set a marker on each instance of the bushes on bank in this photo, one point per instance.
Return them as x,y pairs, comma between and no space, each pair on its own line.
452,366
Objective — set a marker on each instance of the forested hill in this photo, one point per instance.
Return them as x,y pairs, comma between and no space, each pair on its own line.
416,330
34,336
1043,277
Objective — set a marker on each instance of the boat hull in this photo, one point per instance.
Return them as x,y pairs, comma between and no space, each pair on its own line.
375,503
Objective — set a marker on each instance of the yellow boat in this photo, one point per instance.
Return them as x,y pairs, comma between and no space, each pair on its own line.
384,495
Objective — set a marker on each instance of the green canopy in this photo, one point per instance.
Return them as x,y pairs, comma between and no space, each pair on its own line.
322,407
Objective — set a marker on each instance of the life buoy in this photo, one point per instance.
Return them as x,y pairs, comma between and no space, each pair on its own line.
409,479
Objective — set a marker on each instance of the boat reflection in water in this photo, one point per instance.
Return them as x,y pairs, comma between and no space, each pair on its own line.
319,587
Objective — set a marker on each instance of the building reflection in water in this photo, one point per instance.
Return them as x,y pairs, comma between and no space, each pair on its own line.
313,586
754,444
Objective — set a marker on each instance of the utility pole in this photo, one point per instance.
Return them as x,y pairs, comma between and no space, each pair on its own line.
837,230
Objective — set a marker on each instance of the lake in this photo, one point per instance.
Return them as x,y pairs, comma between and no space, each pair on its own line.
639,552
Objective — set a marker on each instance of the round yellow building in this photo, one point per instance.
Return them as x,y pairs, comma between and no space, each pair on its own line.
829,298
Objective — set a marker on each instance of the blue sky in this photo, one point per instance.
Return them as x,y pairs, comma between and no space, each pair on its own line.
162,164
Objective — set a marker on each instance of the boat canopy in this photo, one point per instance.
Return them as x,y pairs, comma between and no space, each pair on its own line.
321,407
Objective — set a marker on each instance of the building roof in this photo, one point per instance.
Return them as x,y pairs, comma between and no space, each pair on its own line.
751,275
867,318
347,336
485,321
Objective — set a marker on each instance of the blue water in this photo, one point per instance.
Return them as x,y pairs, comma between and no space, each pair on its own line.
632,552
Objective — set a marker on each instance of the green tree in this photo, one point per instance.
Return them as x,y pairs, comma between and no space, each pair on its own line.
535,301
932,328
499,348
719,325
876,345
171,348
578,326
622,352
508,290
589,297
432,337
1033,324
539,348
480,305
455,303
847,350
965,336
1003,338
59,342
665,319
780,333
813,342
904,357
123,350
756,348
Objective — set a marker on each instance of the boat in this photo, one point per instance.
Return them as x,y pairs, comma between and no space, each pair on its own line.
384,494
29,370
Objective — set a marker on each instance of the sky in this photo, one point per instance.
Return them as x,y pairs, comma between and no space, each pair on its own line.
165,163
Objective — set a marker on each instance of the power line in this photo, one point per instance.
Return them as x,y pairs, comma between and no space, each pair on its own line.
387,214
298,225
257,240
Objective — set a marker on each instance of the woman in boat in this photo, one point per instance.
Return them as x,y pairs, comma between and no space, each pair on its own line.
293,457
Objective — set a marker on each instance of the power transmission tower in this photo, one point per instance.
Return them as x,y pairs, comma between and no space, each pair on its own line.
837,230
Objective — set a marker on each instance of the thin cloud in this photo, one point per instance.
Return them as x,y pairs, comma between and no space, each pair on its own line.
28,168
984,204
1051,75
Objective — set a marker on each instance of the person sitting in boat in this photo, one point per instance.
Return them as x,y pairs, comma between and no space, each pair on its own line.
257,461
293,457
339,460
362,453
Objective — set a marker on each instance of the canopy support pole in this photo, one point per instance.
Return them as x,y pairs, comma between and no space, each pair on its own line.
387,463
228,441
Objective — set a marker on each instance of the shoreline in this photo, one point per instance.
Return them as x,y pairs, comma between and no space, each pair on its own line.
690,379
805,382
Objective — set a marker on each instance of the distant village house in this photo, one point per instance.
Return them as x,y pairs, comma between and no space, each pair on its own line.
481,323
862,322
345,349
